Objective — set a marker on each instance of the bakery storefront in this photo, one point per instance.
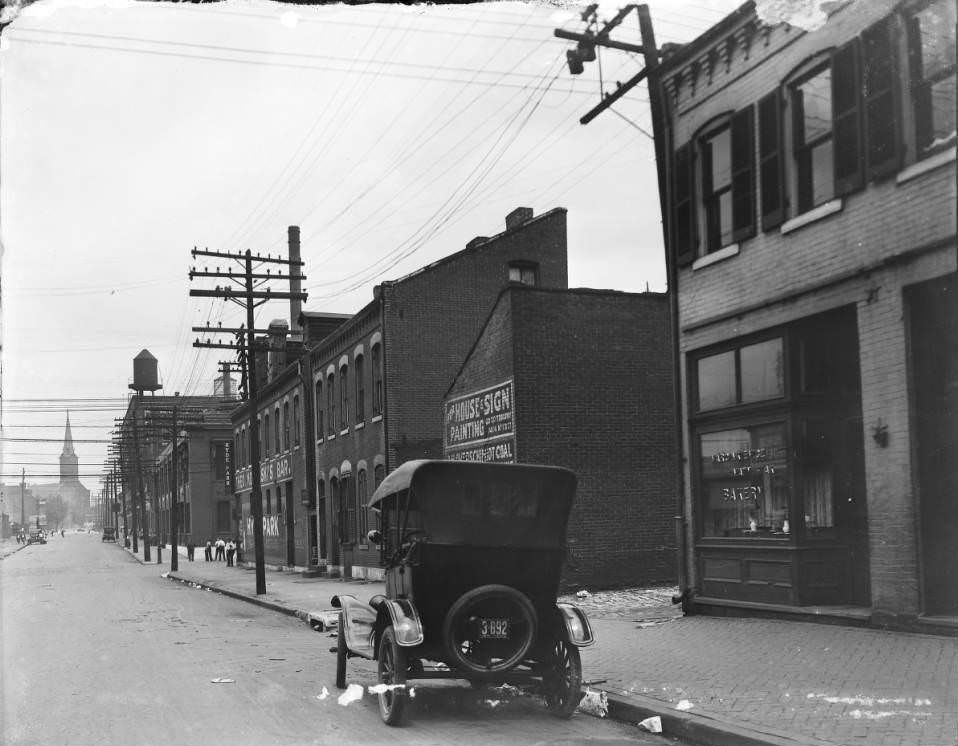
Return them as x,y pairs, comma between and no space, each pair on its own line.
778,490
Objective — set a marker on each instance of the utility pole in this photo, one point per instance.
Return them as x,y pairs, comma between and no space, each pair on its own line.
170,418
661,139
23,488
248,297
139,487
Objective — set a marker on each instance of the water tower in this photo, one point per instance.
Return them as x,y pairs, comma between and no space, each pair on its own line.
144,373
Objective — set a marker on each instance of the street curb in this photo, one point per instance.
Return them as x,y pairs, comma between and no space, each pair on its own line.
707,730
14,551
271,605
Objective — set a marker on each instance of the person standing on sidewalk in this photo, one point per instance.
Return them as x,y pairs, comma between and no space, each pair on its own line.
208,552
220,550
190,548
230,551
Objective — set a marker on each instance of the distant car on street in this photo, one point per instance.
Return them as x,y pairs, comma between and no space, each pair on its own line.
109,534
36,537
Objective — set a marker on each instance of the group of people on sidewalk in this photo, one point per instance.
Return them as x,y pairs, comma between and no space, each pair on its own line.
224,551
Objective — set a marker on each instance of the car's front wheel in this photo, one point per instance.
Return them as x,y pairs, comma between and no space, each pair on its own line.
563,680
392,679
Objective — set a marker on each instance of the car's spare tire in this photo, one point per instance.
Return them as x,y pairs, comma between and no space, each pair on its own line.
489,629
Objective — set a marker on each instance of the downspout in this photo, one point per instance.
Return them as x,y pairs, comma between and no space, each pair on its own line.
309,444
662,138
382,362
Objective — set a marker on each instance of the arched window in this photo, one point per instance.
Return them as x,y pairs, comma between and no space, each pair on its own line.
296,420
264,441
344,403
361,499
285,425
331,404
320,425
276,443
360,390
377,380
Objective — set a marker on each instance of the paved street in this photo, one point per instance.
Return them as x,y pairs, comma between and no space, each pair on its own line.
773,681
101,649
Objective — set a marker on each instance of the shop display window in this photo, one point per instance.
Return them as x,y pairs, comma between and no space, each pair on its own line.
751,373
745,482
817,483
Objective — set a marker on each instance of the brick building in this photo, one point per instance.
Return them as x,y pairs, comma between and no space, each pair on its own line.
812,234
204,452
204,487
290,536
582,379
378,380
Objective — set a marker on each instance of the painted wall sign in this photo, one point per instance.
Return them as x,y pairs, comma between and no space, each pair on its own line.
480,426
500,452
228,456
276,470
244,479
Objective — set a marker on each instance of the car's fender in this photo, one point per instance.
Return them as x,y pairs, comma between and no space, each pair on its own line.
405,619
359,625
575,625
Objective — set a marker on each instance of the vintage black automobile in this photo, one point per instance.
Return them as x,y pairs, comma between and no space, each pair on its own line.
473,554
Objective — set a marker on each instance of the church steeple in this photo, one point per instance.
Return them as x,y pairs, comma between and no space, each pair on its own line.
68,439
69,463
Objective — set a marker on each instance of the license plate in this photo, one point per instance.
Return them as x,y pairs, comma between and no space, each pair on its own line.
494,629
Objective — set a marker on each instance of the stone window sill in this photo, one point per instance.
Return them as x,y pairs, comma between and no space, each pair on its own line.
716,256
377,418
928,164
359,426
812,216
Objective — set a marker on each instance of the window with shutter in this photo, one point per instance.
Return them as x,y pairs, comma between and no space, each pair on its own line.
882,121
811,100
716,150
770,160
683,213
743,174
931,54
846,121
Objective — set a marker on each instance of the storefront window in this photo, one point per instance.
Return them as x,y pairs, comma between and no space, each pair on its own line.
747,374
763,374
816,459
717,381
745,482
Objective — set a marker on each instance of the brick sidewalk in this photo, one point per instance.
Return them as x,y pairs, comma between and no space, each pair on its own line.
718,680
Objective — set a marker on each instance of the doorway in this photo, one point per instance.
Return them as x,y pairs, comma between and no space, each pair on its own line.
933,333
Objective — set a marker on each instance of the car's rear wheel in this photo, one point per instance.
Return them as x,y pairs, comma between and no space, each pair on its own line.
392,674
489,630
563,680
341,653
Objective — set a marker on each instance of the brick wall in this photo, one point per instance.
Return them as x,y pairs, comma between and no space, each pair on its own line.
890,234
432,318
593,393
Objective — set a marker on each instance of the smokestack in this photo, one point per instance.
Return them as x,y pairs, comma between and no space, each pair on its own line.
295,285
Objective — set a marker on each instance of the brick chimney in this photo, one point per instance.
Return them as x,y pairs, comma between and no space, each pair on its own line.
276,342
295,284
517,217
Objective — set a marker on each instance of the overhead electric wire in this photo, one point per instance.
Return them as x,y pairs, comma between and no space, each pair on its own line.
306,163
288,65
391,260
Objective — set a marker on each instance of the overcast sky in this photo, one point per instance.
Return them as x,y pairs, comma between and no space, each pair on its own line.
132,132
